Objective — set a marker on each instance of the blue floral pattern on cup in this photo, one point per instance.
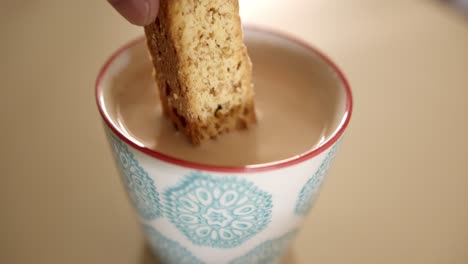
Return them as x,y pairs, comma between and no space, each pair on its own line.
169,251
139,185
269,252
310,190
220,212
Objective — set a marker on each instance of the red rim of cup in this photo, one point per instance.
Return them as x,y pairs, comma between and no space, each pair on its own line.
234,169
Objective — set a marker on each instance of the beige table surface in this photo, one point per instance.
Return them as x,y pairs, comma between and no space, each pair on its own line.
397,192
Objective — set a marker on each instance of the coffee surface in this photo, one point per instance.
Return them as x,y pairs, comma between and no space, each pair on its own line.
295,101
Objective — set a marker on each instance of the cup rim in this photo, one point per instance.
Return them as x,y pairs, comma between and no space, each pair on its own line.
280,164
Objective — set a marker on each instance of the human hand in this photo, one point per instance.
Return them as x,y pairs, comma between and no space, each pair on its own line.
137,12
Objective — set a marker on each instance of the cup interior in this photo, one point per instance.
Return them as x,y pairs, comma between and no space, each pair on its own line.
134,57
306,60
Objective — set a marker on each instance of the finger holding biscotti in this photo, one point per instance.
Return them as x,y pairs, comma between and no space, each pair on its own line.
137,12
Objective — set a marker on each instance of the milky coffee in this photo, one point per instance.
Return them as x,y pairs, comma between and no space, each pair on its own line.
296,100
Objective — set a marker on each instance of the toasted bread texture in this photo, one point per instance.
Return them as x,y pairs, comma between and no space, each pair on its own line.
202,69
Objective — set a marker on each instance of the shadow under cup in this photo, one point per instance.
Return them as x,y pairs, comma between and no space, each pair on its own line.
195,213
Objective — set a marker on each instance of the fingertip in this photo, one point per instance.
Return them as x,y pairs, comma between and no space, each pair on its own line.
137,12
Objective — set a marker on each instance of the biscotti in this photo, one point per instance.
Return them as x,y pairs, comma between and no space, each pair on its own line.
202,68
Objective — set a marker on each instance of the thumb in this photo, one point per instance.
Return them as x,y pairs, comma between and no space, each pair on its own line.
138,12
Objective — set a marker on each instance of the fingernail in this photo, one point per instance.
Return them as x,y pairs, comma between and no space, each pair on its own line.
152,9
147,12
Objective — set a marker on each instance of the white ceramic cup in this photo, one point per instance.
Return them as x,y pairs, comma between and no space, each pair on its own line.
194,213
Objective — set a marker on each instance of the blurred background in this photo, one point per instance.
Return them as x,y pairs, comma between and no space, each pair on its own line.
396,194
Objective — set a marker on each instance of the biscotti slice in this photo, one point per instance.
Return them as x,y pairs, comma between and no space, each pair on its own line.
202,68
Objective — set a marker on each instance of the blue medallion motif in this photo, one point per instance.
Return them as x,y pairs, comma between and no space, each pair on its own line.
220,212
310,190
269,252
169,251
139,185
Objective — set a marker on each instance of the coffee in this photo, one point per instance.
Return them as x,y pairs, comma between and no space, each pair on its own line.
296,97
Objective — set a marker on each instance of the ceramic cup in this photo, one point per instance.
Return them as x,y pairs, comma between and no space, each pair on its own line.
194,213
